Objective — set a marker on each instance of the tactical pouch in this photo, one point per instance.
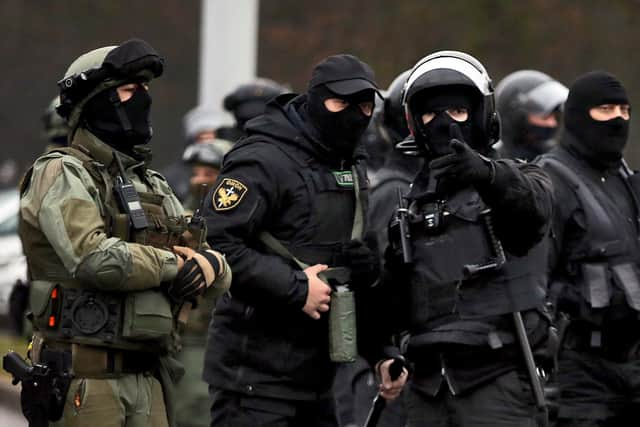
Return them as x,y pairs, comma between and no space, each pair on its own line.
120,226
596,284
342,316
39,299
147,316
626,277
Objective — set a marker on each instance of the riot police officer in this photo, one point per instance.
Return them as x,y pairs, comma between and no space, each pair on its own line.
460,266
289,203
107,250
595,256
246,102
529,104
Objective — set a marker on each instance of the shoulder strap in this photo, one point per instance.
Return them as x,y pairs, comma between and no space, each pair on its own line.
581,188
276,246
356,232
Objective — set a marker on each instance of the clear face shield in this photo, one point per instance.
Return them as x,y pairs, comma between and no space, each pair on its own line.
545,98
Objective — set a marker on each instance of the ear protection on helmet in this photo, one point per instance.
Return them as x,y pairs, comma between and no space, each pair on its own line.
134,59
453,68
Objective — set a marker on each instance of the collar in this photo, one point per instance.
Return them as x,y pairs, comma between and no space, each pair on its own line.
89,143
571,143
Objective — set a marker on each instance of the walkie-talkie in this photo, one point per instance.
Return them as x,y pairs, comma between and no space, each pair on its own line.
128,198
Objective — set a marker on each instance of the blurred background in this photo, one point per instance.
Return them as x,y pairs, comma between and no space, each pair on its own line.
40,38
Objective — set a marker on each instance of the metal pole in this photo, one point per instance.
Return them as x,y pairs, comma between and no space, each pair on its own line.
228,48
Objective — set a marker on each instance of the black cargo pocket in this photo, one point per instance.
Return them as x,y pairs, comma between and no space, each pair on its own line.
626,277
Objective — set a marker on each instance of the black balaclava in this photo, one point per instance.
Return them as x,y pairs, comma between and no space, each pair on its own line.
539,139
340,131
600,142
121,125
435,135
531,140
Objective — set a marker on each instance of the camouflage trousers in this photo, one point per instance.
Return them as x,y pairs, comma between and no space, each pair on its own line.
132,400
192,403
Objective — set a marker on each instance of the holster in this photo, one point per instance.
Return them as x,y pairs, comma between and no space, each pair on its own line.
43,396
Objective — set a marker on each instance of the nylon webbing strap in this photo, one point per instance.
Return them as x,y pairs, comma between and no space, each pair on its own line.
356,232
276,246
581,188
358,216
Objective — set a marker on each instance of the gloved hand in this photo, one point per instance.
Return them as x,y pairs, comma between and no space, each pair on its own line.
363,261
464,166
198,273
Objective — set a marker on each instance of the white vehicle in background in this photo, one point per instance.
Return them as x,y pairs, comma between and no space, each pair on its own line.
13,264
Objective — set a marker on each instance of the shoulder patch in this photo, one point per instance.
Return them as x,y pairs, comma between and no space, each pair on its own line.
228,194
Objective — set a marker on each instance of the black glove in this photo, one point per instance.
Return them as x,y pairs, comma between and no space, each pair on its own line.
464,166
188,283
198,273
363,262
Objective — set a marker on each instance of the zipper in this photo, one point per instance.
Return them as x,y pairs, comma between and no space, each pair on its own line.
445,375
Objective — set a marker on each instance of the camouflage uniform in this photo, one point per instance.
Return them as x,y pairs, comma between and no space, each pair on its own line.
99,286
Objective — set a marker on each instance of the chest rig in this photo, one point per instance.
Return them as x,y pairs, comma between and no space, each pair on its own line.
459,272
66,310
605,260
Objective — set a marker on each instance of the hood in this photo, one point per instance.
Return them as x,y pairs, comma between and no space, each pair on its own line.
282,122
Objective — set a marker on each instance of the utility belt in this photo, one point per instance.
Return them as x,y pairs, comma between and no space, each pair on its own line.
88,361
428,359
138,321
464,336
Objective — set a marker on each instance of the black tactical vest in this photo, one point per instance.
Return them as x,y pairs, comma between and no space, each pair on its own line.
606,257
444,299
331,214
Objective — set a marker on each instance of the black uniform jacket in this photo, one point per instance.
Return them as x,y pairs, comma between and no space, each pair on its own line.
280,180
572,236
521,199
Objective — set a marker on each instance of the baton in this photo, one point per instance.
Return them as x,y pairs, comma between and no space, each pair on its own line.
379,402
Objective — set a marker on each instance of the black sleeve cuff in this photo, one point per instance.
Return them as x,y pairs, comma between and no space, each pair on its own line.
300,290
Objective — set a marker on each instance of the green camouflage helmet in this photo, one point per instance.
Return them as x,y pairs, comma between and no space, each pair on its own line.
55,127
104,68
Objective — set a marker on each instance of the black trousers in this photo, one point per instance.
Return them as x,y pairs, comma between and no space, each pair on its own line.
231,409
504,402
354,388
597,392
